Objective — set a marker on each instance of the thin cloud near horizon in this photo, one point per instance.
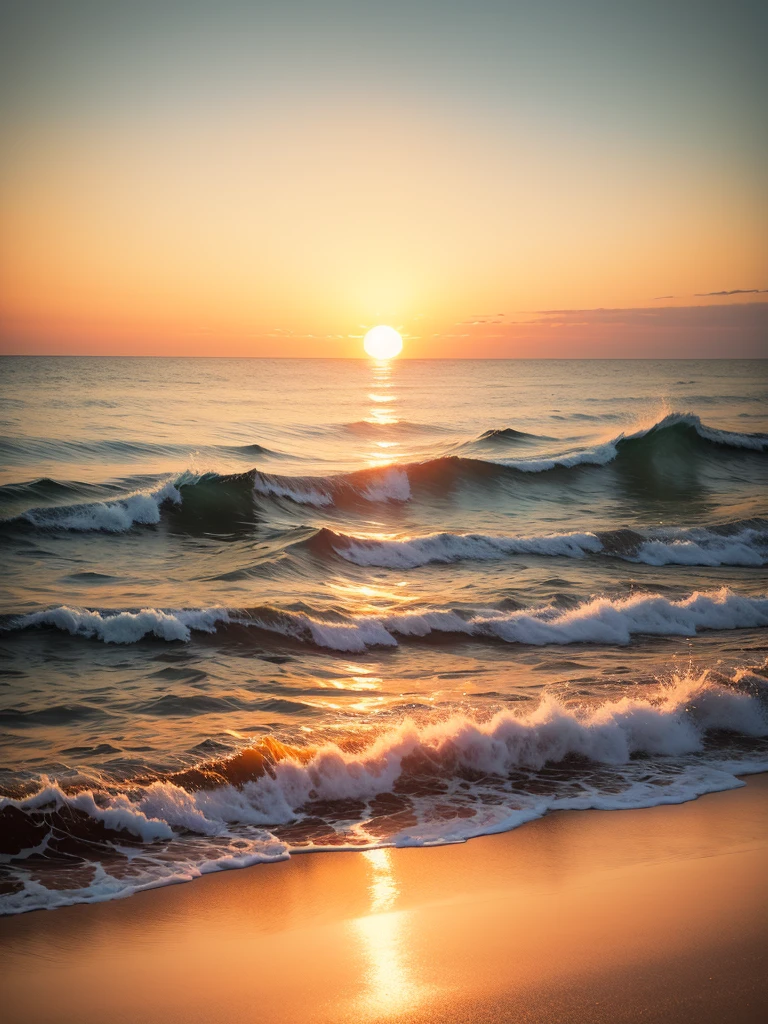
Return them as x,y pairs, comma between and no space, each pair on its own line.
480,321
692,331
733,291
646,311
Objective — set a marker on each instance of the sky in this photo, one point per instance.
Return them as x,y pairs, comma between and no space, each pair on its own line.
554,178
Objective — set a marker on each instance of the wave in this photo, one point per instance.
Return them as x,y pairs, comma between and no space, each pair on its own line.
114,516
45,489
680,425
209,500
124,627
743,544
219,495
417,783
674,430
674,434
691,424
387,484
509,434
22,450
408,553
601,620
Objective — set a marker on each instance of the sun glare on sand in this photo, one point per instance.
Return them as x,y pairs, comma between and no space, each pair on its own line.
383,342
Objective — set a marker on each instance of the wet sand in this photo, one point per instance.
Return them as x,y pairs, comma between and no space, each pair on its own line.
604,916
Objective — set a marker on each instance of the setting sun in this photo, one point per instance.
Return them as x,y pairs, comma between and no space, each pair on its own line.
383,342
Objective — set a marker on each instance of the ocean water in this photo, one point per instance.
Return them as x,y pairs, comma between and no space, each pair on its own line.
251,608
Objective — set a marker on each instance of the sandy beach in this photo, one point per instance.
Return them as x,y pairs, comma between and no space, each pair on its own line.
638,915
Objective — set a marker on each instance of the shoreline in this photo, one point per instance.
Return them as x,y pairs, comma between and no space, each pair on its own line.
652,914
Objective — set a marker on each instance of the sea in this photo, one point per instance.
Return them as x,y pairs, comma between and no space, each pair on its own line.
256,608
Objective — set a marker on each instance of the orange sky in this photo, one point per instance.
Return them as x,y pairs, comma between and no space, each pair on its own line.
230,184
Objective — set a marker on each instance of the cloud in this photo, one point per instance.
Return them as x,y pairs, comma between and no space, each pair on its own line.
480,322
714,316
734,291
717,329
657,297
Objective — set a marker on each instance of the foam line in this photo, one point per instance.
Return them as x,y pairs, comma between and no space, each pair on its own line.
682,547
183,833
602,620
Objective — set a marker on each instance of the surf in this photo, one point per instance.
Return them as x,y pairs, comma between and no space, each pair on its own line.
600,620
449,780
735,544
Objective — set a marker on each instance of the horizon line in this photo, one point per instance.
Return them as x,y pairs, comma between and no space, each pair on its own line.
397,359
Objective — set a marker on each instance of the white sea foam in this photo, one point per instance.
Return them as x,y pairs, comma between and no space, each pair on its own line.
670,721
601,620
692,547
151,819
353,635
632,737
393,485
726,437
126,627
119,813
615,621
746,548
390,485
302,492
599,455
116,516
450,547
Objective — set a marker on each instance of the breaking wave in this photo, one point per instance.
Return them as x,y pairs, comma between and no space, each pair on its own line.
390,484
601,620
125,627
676,434
743,544
115,516
420,782
671,432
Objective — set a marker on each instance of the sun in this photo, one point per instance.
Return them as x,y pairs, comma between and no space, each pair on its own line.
383,342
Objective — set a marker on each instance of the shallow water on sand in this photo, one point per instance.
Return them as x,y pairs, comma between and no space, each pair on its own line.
251,606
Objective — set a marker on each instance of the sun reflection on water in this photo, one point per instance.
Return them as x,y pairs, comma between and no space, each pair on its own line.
382,414
383,419
353,683
390,985
382,888
367,598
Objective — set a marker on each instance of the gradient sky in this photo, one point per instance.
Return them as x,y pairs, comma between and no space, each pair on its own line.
554,178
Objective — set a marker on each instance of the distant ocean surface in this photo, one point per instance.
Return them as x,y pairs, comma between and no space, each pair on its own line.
255,607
